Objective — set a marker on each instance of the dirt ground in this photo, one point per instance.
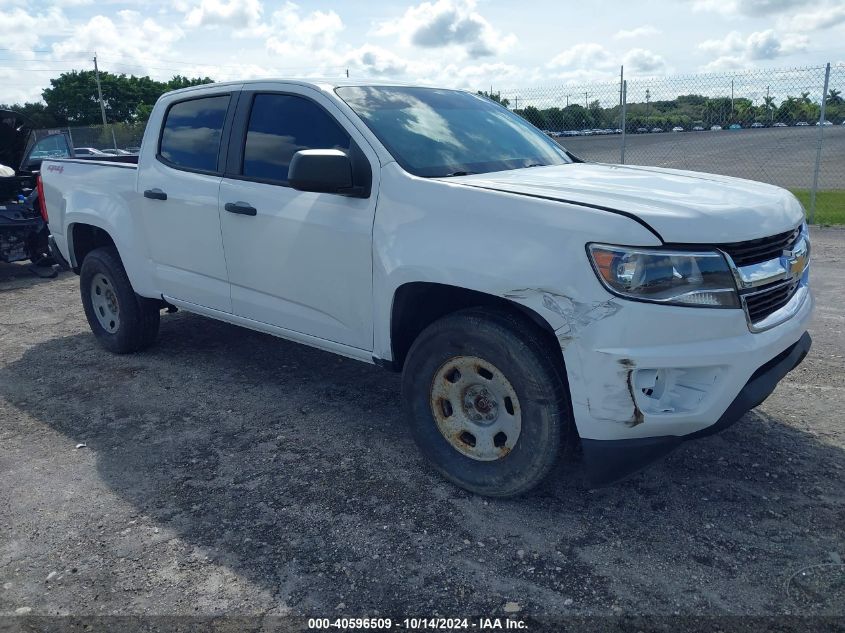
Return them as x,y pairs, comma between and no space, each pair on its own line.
228,472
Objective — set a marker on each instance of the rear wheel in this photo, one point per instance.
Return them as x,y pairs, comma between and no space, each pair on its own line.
122,321
486,401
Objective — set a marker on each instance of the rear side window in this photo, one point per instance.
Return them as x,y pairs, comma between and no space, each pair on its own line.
192,130
280,126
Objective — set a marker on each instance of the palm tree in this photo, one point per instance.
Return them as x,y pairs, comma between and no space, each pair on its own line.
769,104
834,98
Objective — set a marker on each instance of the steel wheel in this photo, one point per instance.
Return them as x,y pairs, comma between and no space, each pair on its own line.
476,408
105,304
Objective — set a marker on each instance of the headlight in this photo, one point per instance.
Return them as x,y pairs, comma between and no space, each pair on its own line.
684,278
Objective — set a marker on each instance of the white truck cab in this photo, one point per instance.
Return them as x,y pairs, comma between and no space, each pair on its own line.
531,300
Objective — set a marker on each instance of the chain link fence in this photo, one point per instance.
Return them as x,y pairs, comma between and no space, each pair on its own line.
114,138
784,127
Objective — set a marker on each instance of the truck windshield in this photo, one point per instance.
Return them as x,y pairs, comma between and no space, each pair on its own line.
435,133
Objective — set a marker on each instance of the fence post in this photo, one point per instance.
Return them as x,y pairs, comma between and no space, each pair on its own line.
624,109
819,146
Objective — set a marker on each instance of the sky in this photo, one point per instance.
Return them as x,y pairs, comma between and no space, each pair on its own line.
476,44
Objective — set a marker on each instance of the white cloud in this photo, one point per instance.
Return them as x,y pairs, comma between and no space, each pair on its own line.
640,31
639,61
751,8
822,18
735,51
313,34
237,14
132,39
585,55
378,61
29,28
448,23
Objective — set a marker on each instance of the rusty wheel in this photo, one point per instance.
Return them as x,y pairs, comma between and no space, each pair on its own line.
476,408
486,400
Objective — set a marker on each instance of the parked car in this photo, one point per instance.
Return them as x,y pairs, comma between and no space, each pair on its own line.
735,126
358,233
715,128
780,124
642,130
116,152
677,128
657,129
757,124
586,132
87,151
698,128
802,124
133,150
825,123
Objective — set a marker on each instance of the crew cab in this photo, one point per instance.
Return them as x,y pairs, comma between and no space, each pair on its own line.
531,300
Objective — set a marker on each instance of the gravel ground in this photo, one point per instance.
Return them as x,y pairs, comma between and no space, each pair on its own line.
228,472
780,156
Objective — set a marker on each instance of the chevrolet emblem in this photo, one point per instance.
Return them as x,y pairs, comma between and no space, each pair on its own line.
795,261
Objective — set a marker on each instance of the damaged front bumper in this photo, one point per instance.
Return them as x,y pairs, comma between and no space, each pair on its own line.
609,460
645,378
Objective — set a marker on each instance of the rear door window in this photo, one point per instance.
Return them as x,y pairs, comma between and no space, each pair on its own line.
281,125
190,138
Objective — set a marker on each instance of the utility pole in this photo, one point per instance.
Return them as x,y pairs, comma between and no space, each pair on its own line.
647,103
621,98
732,100
769,106
99,90
347,73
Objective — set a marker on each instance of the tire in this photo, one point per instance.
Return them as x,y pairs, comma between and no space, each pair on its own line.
508,379
122,321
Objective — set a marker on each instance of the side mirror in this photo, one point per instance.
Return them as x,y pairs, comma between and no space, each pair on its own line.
322,171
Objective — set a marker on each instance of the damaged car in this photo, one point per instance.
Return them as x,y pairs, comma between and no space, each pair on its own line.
532,301
24,235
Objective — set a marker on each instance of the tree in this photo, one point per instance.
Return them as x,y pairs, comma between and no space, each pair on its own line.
35,113
834,97
495,96
533,116
73,98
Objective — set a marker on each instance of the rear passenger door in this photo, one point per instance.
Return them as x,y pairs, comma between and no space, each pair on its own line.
302,261
178,186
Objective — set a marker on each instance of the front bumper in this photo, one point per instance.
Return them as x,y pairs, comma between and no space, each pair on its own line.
609,460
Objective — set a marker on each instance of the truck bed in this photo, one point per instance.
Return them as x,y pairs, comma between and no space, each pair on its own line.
89,191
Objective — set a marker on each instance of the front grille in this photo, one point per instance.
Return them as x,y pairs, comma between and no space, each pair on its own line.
760,250
761,304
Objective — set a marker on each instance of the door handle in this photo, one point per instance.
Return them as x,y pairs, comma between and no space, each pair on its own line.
155,194
241,208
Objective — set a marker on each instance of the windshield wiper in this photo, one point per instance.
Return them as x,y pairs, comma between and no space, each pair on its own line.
459,173
536,165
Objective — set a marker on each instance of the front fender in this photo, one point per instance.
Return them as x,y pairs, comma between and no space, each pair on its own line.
526,250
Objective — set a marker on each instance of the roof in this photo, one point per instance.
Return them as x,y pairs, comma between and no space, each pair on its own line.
320,83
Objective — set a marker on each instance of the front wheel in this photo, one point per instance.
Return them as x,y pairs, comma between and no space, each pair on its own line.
486,401
122,321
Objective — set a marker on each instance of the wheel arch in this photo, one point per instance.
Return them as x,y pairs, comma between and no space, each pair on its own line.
417,304
84,238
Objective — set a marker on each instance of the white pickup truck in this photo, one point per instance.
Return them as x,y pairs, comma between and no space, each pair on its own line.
532,301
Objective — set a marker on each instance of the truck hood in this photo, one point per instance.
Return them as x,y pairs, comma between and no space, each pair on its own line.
14,131
681,206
